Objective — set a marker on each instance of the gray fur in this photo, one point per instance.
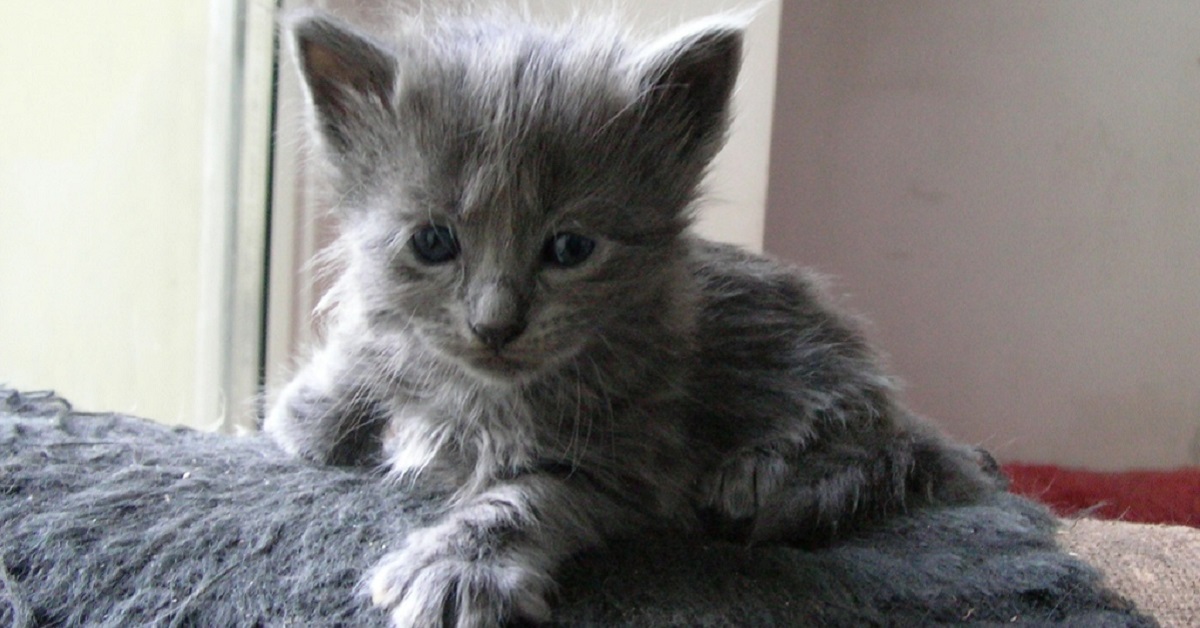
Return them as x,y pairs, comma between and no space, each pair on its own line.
110,521
665,382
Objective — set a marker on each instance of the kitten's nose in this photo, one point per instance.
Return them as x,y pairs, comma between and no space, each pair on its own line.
497,309
495,336
497,312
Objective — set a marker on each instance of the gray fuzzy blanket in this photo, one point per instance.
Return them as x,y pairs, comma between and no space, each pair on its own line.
114,521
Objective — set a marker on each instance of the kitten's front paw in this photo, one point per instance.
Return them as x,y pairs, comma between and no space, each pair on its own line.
441,578
317,426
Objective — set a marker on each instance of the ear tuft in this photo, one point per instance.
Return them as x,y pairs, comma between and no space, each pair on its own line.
347,76
689,78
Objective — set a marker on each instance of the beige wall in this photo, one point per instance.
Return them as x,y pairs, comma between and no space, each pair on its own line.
1010,190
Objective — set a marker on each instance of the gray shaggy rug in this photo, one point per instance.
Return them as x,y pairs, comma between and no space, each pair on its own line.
107,520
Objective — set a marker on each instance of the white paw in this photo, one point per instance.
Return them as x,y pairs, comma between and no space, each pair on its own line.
441,578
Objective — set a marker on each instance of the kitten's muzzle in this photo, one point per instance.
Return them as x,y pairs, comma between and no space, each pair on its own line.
498,311
496,336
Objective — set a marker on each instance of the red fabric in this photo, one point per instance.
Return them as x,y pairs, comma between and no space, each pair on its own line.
1143,496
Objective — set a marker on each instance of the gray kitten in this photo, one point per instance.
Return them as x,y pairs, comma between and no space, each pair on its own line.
523,319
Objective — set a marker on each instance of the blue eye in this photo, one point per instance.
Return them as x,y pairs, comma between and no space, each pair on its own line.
435,244
568,249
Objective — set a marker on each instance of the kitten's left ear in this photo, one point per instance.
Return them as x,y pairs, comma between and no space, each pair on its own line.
349,78
688,79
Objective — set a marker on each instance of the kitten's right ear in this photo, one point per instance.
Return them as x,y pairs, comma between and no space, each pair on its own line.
349,79
688,81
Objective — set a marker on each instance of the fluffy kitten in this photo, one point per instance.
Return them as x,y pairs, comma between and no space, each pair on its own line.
523,319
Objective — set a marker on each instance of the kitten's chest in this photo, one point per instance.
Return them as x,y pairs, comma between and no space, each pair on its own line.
460,442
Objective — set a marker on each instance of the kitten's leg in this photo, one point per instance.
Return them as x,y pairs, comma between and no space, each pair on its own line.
491,559
780,492
326,415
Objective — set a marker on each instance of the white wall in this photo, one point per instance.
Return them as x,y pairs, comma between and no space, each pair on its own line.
132,203
1011,191
101,139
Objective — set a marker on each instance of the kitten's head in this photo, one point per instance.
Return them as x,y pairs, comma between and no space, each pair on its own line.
511,195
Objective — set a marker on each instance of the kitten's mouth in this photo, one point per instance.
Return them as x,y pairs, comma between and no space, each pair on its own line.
498,366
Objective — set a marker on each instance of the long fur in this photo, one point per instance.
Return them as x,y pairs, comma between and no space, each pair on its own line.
663,382
109,521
